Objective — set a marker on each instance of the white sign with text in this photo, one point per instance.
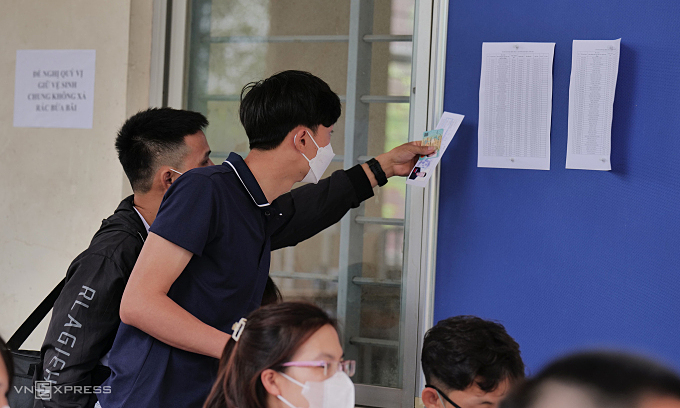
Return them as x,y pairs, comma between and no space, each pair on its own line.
54,88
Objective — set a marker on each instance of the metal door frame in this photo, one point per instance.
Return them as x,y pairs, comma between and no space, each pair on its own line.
168,88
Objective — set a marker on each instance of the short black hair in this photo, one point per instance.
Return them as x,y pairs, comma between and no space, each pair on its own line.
271,108
463,350
153,138
9,363
610,378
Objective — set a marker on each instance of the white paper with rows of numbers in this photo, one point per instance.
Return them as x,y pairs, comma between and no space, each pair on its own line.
594,71
515,105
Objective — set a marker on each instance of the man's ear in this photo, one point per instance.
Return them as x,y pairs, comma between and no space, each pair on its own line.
300,138
430,398
166,176
269,379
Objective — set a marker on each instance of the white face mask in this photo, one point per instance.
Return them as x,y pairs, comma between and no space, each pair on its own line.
335,392
320,162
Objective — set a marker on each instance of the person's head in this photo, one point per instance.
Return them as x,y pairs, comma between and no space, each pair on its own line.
282,346
293,111
157,144
469,362
599,379
6,372
271,294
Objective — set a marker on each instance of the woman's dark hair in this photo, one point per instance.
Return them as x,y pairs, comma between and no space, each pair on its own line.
463,350
270,338
271,294
271,108
9,363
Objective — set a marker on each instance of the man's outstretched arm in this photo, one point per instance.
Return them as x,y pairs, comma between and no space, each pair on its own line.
310,209
146,305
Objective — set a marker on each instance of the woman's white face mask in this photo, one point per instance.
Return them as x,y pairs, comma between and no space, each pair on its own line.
334,392
320,162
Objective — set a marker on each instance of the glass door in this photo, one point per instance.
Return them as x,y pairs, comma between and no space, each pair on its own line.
364,50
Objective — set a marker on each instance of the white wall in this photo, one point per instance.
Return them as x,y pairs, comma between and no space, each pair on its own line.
56,185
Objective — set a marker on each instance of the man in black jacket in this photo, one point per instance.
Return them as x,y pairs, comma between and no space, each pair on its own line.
153,146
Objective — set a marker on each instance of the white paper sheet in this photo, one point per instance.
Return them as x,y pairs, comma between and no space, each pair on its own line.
594,70
515,105
441,136
54,88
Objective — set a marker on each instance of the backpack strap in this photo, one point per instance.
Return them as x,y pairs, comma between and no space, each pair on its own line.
27,327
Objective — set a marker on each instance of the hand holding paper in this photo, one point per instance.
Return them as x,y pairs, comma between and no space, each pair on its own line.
399,161
439,138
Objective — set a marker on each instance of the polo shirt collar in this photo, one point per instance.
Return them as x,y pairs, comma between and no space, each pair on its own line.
247,179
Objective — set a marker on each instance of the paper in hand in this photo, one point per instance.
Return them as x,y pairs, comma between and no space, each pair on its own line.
439,138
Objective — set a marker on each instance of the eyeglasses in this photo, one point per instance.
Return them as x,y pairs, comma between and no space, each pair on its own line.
329,367
441,394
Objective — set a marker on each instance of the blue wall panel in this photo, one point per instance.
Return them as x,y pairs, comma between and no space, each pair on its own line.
567,259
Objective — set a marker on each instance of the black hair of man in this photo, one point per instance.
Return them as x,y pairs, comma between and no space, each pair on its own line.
463,350
609,378
6,357
153,138
271,108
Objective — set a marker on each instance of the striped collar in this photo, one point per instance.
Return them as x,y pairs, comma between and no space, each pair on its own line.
247,179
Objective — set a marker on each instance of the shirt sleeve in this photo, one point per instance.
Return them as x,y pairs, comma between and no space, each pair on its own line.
82,327
310,209
189,213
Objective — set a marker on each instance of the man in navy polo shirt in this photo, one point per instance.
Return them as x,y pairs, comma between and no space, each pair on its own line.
206,261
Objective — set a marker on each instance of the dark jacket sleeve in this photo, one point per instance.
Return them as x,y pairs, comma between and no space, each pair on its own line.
82,328
308,210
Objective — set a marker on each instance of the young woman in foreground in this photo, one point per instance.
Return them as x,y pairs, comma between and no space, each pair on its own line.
287,355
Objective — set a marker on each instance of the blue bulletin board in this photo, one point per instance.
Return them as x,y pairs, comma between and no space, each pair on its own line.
568,259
